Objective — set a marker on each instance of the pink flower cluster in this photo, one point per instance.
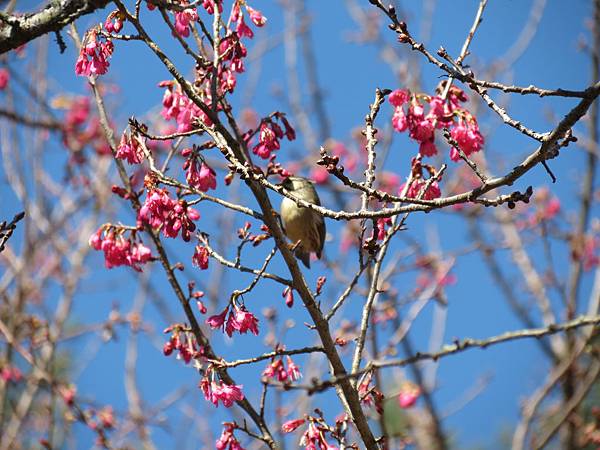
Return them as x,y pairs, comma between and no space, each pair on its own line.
94,54
199,175
184,342
4,77
227,440
239,319
270,133
276,370
162,212
177,106
226,393
130,149
442,113
119,251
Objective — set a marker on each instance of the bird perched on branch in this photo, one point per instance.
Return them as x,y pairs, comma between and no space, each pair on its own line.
305,227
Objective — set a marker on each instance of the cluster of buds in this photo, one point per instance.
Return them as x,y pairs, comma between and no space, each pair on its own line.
94,53
256,239
443,113
118,249
270,133
234,318
183,340
277,370
199,175
216,392
114,22
169,215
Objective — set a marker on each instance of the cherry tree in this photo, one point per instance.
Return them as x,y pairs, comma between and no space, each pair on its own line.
168,222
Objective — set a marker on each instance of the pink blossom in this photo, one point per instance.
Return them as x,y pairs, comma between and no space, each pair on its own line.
200,258
428,148
468,137
119,251
217,320
293,370
408,395
209,5
399,120
399,97
202,178
292,425
227,440
267,141
256,16
245,321
227,394
417,185
183,20
319,175
130,149
382,223
4,77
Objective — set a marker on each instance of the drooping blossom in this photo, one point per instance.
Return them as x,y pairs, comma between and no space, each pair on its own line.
169,215
225,393
277,370
314,437
292,425
256,16
94,54
114,22
200,258
183,20
130,149
4,77
227,440
238,318
209,5
442,113
119,251
288,294
418,185
370,396
198,174
382,224
177,106
468,137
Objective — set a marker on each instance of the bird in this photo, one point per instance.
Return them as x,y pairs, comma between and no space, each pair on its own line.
303,226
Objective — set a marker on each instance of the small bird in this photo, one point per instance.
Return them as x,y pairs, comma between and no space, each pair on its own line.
303,224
